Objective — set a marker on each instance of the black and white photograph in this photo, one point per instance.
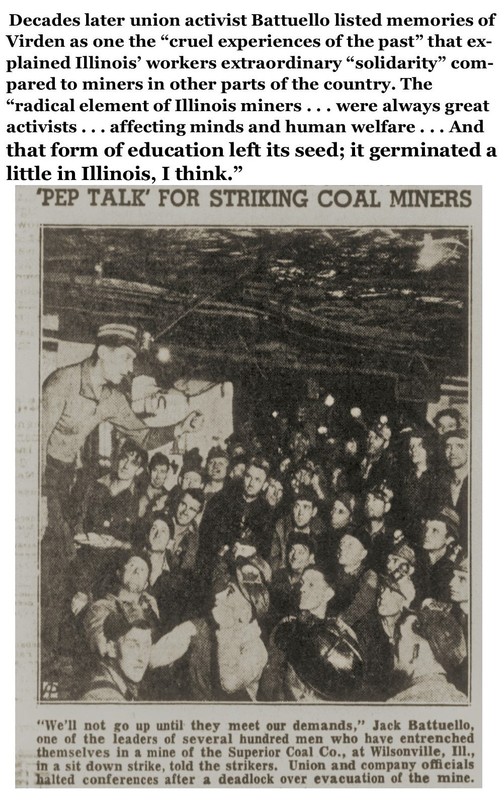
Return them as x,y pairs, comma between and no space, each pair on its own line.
255,444
254,452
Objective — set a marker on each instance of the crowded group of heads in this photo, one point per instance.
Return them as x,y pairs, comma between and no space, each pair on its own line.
345,549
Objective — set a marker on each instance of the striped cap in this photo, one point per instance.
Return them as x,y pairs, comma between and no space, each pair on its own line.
115,334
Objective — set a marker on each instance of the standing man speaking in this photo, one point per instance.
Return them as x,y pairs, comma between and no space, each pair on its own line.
75,400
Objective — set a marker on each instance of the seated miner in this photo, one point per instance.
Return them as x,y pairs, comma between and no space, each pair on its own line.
311,657
460,598
155,494
274,494
430,646
378,465
75,400
341,515
301,518
108,520
377,633
285,582
216,470
454,479
124,660
191,476
355,582
110,505
435,560
460,589
224,653
238,512
128,596
418,485
377,505
170,588
184,537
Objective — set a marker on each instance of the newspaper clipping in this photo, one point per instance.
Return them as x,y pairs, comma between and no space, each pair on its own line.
248,539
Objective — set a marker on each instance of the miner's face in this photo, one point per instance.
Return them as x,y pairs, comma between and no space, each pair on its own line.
459,586
187,510
116,362
299,557
217,468
416,450
351,551
340,515
135,574
253,481
314,590
133,653
274,493
445,424
390,603
128,466
374,506
435,535
303,513
456,452
158,476
159,536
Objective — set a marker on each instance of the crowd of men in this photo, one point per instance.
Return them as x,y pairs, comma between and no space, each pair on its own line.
293,563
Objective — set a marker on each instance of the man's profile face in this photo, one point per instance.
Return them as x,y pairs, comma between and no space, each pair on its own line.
314,590
253,481
459,586
456,452
187,510
133,653
158,476
435,534
116,362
